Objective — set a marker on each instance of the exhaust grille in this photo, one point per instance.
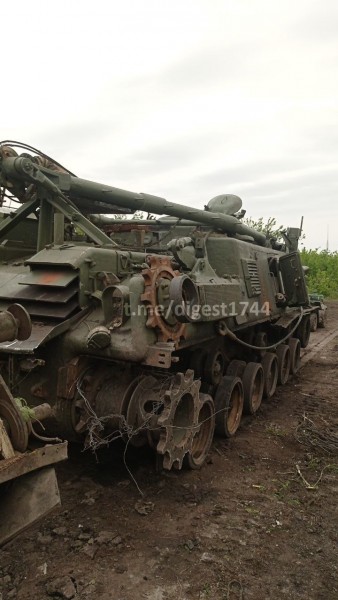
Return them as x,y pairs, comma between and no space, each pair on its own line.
48,294
251,276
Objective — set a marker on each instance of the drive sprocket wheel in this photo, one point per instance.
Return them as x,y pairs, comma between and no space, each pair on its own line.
156,296
179,421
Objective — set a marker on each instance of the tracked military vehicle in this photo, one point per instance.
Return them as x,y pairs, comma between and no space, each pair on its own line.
159,331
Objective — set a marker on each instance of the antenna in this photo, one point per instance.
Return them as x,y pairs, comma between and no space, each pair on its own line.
327,238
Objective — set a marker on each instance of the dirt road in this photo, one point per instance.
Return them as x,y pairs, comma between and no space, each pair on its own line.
259,521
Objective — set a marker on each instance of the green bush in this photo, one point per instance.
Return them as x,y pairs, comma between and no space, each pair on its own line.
323,271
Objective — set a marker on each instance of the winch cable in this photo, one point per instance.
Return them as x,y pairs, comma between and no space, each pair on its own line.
271,347
23,146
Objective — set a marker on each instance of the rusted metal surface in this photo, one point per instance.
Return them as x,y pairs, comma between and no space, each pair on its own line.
160,355
179,422
28,499
157,277
29,461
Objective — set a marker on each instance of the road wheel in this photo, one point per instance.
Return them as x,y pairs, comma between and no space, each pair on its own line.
322,318
214,366
253,386
236,368
229,400
313,321
303,331
284,363
203,437
294,345
270,367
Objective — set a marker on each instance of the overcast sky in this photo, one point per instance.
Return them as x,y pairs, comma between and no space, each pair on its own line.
184,99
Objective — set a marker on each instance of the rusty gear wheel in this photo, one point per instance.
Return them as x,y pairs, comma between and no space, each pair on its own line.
179,420
156,294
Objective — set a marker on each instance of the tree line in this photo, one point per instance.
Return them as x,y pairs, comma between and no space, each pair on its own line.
322,276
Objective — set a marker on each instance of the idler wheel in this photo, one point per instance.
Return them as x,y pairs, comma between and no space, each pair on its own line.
253,386
284,363
202,439
313,322
303,331
236,368
229,400
270,367
294,345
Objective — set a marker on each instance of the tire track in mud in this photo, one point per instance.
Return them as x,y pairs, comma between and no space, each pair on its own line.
317,347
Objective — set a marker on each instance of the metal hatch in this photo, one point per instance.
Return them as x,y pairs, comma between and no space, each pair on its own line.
294,283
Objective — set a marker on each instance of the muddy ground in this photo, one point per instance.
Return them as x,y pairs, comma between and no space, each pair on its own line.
259,521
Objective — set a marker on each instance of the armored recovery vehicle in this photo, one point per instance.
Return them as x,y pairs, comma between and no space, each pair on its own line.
158,331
